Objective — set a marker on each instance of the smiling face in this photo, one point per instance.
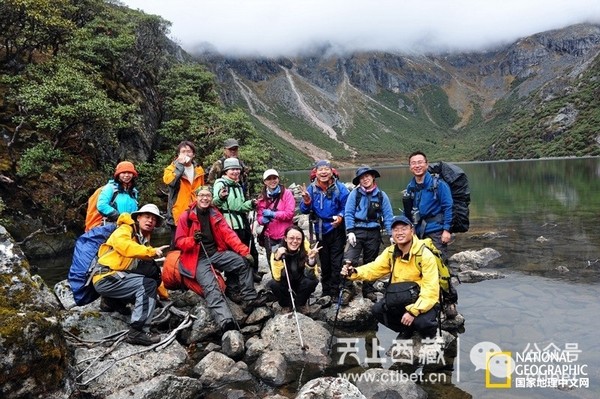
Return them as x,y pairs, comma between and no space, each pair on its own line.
324,174
203,199
293,240
418,165
125,177
402,233
367,180
233,174
271,182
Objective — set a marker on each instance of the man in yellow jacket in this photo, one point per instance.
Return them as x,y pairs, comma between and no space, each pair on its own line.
128,270
400,259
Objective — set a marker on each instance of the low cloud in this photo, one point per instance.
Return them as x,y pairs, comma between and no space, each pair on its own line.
283,27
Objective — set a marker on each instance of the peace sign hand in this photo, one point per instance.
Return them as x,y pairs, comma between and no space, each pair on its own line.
314,251
304,193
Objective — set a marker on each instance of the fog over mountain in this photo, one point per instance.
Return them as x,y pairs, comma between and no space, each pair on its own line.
288,27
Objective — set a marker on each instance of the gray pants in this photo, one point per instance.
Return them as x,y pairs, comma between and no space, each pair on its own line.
367,243
134,286
233,264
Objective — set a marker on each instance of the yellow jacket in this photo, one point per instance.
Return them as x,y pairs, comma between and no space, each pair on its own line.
406,270
277,266
121,249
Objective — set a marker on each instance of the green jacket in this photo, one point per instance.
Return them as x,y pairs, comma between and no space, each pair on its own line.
235,208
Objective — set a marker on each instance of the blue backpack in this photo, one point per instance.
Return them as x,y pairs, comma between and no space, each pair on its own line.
80,272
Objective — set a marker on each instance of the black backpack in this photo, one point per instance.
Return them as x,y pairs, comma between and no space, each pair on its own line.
457,179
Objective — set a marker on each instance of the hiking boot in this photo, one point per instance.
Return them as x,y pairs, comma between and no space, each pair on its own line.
249,305
404,334
305,310
285,309
371,296
234,295
137,337
228,325
346,297
324,301
256,277
114,305
450,310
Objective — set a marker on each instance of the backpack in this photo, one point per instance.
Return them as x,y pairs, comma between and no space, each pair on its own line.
84,262
457,179
173,280
93,217
447,291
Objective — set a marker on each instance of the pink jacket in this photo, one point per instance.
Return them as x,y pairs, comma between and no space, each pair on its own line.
284,215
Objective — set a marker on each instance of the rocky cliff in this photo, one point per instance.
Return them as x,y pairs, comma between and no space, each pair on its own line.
363,104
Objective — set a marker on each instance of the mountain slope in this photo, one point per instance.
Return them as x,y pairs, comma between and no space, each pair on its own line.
379,106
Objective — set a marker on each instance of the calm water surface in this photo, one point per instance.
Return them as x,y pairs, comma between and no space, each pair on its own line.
539,215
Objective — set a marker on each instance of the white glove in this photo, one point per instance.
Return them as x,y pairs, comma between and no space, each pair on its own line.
352,239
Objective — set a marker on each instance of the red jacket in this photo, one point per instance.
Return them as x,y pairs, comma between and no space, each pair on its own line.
224,237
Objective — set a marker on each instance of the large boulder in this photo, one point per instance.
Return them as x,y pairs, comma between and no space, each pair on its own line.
34,351
329,388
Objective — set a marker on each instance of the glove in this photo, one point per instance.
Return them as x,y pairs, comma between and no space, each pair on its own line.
352,239
265,220
198,236
269,213
249,260
223,192
113,216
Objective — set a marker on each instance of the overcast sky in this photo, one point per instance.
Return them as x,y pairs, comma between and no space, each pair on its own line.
285,27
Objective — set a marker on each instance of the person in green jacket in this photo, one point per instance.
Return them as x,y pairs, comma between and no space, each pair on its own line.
228,196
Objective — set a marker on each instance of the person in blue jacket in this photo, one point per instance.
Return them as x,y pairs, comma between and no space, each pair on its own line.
119,195
431,211
368,211
325,200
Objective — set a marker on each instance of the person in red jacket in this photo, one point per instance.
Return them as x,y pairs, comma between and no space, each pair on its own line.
208,245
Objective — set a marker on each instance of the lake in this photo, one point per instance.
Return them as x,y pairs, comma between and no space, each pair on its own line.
543,214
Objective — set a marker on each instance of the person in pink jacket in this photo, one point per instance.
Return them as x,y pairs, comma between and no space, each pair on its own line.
275,211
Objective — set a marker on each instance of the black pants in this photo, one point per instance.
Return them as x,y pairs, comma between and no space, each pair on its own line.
367,243
425,323
246,237
331,257
301,289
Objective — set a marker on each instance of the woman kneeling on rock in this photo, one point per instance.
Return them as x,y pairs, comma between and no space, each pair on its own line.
296,260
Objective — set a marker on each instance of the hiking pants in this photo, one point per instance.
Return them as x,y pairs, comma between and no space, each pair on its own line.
425,323
331,257
301,289
142,289
367,243
436,237
231,263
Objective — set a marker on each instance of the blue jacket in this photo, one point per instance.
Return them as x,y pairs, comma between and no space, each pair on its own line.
326,204
355,215
125,201
435,206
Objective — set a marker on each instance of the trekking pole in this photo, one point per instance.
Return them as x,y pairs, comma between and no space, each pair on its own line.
337,312
287,276
219,285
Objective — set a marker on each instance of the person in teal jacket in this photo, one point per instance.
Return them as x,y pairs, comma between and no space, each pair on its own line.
228,196
119,195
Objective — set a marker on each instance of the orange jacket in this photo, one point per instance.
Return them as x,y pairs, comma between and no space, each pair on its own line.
182,192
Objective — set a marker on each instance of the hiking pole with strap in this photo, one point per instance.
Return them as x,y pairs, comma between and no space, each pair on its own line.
219,285
287,276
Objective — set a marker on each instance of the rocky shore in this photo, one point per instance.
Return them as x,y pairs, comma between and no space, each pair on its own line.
58,353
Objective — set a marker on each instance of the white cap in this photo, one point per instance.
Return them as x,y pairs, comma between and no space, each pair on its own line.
270,172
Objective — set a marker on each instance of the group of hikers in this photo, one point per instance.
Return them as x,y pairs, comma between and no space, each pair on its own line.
208,216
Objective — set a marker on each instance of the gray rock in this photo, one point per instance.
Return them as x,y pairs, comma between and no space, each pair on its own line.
474,259
475,276
280,334
259,315
216,369
381,383
271,368
164,386
232,344
357,315
126,366
329,388
34,351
